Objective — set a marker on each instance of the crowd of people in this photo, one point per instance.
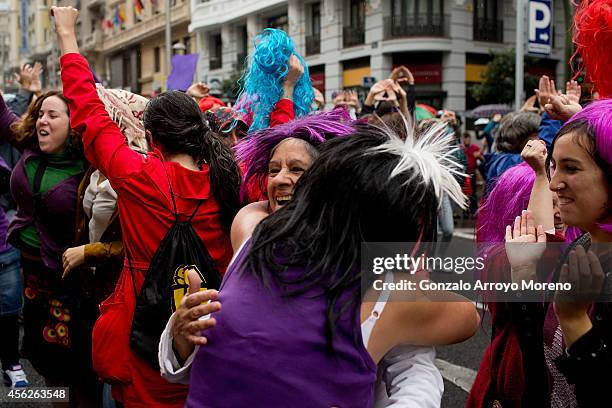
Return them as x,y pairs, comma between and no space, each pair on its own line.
180,252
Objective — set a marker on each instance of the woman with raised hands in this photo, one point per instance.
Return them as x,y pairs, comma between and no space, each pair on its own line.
562,346
189,166
44,186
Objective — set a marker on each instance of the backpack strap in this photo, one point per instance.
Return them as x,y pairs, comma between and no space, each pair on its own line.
195,211
176,215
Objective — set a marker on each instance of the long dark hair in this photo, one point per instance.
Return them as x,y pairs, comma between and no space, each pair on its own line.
347,197
176,122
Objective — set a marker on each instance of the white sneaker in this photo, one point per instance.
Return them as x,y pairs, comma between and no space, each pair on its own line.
16,377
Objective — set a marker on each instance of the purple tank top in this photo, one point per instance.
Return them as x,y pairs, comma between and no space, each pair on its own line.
269,351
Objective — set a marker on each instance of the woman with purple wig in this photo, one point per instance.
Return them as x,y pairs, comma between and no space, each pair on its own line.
558,353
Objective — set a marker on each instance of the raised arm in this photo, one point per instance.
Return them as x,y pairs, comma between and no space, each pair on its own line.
541,198
105,146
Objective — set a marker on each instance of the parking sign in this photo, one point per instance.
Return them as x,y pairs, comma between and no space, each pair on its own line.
540,27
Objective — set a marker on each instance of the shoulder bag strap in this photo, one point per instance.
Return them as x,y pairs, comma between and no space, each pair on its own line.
36,195
40,172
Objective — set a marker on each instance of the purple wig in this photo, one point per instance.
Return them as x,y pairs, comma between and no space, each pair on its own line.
598,116
506,201
315,129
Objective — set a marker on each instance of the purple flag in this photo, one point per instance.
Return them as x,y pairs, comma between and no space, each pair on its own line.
183,69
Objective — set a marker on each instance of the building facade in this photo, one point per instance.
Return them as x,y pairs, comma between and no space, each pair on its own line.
125,44
445,43
25,36
123,40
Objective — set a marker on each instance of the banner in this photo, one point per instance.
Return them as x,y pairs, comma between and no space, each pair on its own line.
183,69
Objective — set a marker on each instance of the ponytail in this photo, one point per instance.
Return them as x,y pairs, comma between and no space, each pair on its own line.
176,122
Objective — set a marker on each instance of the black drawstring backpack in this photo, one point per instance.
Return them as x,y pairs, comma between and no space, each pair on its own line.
166,283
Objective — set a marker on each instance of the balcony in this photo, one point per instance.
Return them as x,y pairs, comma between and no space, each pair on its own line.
488,30
352,36
135,33
214,13
215,63
416,25
313,44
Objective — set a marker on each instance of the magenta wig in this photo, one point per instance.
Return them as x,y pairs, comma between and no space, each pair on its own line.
315,129
506,201
598,117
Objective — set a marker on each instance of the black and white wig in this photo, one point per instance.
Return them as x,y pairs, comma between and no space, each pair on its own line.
367,187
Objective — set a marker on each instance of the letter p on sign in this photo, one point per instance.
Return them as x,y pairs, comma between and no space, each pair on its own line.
540,28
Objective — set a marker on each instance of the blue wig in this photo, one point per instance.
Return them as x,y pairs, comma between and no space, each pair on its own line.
262,82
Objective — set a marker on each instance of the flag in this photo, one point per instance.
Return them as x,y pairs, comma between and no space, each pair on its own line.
117,19
121,14
138,6
107,24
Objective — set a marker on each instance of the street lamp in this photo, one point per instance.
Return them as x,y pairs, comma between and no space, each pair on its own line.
168,38
179,46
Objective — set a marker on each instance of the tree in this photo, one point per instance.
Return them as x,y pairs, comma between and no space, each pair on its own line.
498,83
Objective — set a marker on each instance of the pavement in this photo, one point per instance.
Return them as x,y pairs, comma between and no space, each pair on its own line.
458,363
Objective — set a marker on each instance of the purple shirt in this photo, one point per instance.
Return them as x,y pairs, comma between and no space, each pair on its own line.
54,219
270,351
4,222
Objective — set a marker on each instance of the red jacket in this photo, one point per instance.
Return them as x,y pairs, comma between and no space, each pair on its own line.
145,211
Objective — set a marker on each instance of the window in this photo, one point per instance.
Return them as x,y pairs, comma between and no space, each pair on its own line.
413,18
486,25
313,40
357,14
353,32
315,18
216,52
281,22
242,47
157,59
187,42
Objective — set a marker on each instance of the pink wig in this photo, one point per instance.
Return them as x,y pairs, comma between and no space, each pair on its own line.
506,201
